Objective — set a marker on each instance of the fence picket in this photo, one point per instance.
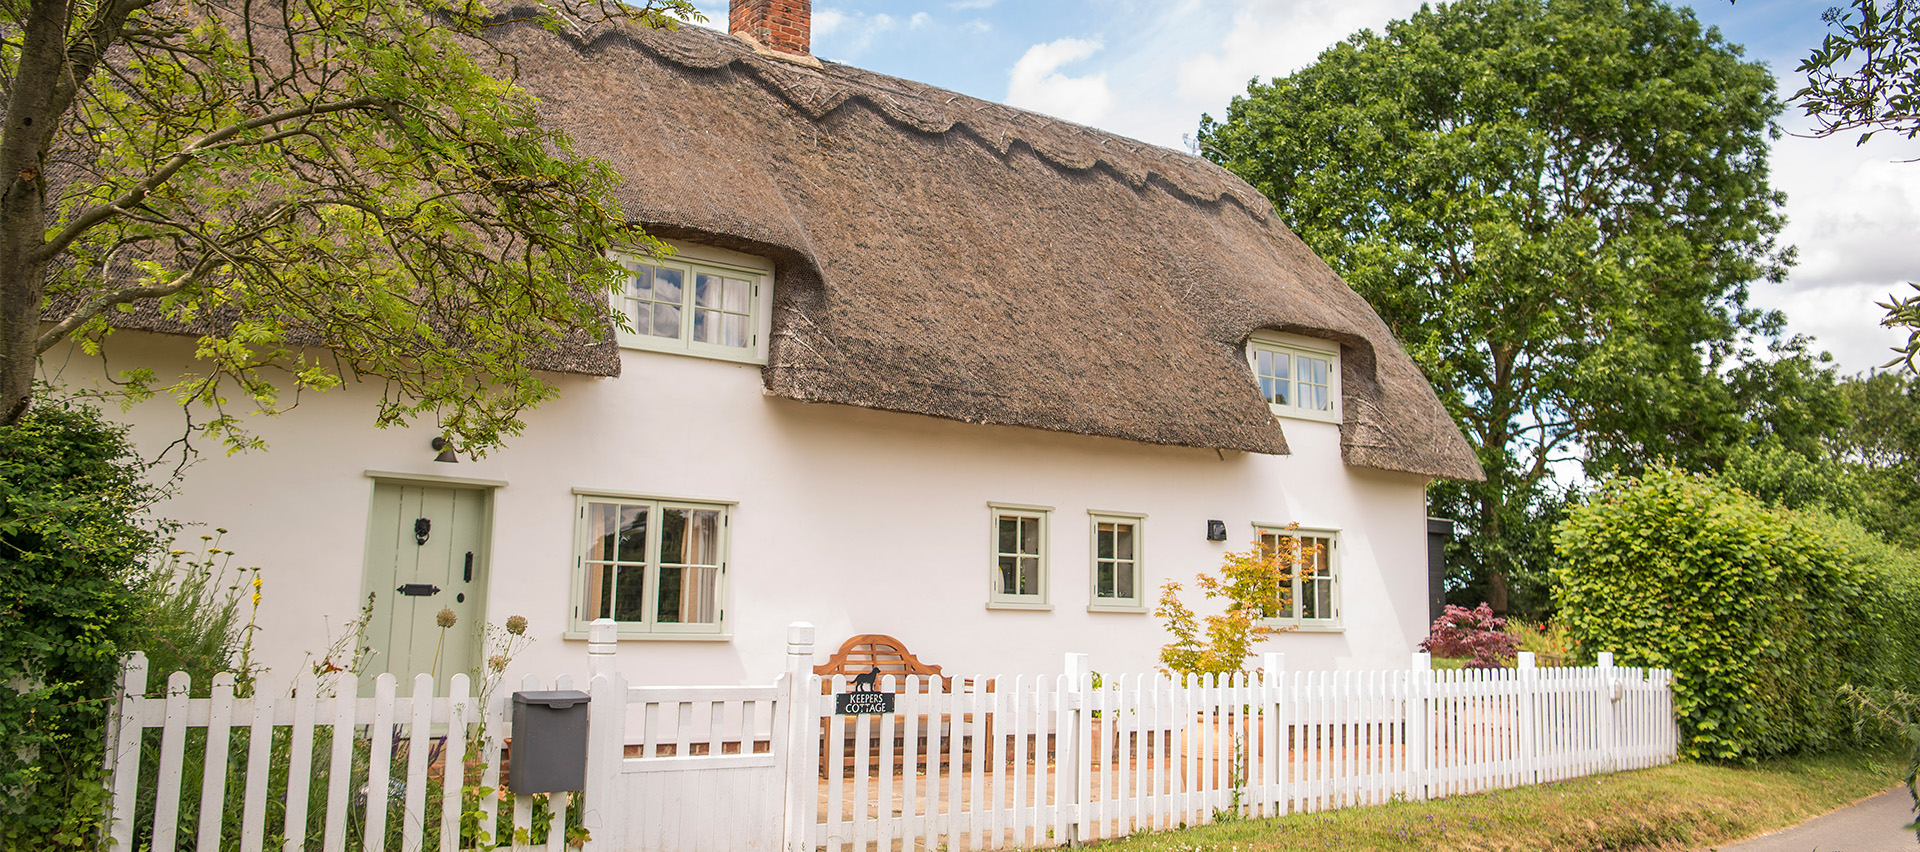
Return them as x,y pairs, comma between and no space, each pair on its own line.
213,780
299,763
453,772
339,774
253,814
173,746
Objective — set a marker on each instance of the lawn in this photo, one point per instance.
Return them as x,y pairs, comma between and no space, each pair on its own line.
1677,807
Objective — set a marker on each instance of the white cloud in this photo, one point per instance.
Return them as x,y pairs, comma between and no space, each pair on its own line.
827,21
1853,213
1036,83
964,5
919,19
843,35
1269,38
976,26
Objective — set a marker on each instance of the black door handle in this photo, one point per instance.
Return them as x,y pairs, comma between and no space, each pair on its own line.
418,590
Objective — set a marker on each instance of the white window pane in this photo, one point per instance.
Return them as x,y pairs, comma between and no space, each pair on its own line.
1123,541
706,290
1103,542
733,330
602,520
1029,575
1103,585
1029,535
1262,363
1009,535
1009,577
633,534
629,593
739,296
666,320
667,284
1123,582
599,591
705,328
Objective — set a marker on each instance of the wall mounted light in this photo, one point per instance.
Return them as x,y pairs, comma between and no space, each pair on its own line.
446,451
1216,530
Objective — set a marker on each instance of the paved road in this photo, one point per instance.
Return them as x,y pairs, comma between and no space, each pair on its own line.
1870,826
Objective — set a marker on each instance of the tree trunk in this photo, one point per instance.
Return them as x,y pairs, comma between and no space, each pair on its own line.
33,112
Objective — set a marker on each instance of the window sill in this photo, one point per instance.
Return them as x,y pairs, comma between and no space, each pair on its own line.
581,635
1009,605
1312,628
633,344
1117,608
1301,414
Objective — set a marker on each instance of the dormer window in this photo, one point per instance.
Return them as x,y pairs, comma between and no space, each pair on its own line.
699,301
1298,376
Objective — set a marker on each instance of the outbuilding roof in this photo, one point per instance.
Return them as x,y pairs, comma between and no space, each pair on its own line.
947,256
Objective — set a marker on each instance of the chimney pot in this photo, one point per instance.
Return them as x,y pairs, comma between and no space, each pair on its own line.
782,25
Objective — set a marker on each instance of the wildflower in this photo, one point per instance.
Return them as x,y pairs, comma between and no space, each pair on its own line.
497,662
256,598
256,582
445,618
516,624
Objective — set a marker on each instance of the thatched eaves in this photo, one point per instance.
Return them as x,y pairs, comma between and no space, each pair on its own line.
942,255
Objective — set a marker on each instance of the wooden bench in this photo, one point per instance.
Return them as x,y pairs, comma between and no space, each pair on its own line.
884,655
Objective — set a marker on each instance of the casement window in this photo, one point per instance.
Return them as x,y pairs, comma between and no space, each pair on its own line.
655,566
1298,376
1312,596
697,302
1115,570
1018,572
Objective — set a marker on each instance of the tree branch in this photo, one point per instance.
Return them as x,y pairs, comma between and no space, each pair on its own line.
94,216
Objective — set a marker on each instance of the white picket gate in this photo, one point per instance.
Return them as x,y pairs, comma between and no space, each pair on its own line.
992,762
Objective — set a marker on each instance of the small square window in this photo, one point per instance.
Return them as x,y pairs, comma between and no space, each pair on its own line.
653,566
1117,582
1018,573
1312,595
693,306
1297,376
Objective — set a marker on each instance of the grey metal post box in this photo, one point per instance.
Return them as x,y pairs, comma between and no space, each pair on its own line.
549,749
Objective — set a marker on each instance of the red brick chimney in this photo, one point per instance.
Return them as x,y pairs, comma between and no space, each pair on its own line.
782,25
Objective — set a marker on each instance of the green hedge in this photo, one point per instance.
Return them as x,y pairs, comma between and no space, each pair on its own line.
72,493
1761,613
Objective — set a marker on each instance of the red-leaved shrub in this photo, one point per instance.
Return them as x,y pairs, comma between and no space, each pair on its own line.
1476,633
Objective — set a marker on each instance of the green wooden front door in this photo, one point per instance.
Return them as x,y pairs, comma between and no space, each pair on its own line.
426,551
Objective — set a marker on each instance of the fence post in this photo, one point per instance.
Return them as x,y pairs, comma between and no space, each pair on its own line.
1273,742
1419,714
606,733
803,741
1073,748
122,758
1529,749
1603,710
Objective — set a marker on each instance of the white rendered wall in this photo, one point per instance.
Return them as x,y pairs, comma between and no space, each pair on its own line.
858,521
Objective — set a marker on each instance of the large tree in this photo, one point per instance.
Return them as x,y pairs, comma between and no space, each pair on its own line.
1557,205
360,174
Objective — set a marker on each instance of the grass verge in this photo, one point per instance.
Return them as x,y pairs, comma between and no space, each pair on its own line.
1682,806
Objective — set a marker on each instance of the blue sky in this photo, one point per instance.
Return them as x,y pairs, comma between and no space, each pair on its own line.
1149,68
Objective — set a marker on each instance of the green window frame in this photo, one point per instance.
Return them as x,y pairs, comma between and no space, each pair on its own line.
1297,376
1312,600
1017,572
1116,582
656,566
691,304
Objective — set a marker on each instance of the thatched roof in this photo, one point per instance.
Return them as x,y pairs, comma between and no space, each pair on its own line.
941,255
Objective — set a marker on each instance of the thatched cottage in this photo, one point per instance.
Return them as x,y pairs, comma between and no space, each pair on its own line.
923,365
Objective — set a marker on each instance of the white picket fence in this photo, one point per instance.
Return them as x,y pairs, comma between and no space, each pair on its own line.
995,762
1023,762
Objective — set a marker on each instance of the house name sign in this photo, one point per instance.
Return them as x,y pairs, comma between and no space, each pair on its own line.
863,703
863,700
